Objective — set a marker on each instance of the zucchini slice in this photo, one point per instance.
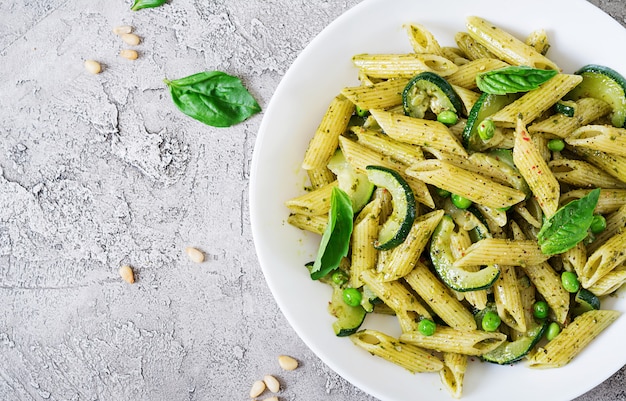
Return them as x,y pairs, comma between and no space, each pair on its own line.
585,301
513,351
605,84
355,184
349,318
428,90
486,106
396,228
565,107
455,277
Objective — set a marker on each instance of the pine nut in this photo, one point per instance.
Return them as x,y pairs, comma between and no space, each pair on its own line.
130,39
274,398
257,389
126,272
195,255
129,54
122,29
93,66
287,363
272,383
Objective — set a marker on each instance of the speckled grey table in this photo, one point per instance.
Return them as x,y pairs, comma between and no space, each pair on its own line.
99,171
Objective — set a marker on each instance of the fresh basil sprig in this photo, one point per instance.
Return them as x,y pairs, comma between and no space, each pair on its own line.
568,225
139,4
336,238
512,79
214,98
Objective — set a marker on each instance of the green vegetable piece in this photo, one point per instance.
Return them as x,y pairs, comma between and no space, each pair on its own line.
569,225
541,309
214,98
139,4
336,238
512,79
491,321
339,277
553,330
426,327
556,145
442,192
361,112
447,117
352,296
586,301
565,107
598,224
460,201
486,129
570,282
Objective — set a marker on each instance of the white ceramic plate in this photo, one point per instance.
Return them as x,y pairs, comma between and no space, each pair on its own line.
580,34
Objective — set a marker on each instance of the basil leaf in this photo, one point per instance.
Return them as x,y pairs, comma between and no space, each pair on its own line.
214,98
336,238
139,4
568,225
512,79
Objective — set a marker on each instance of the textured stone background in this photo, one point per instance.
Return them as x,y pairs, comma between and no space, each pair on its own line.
98,171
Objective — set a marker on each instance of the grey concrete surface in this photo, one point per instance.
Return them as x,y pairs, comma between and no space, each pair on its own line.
99,171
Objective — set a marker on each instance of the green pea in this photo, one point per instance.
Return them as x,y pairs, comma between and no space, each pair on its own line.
491,321
443,193
460,202
447,117
339,277
598,224
556,145
552,331
362,112
426,327
570,282
541,309
352,296
486,129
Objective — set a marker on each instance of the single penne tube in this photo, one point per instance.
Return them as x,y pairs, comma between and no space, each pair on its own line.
475,187
603,260
532,104
325,140
605,138
312,203
412,358
574,259
610,282
615,222
447,339
582,174
439,299
465,76
388,66
468,97
364,234
538,40
320,176
418,132
559,125
402,259
314,224
527,295
501,251
573,339
422,40
453,373
472,49
612,164
360,157
382,95
609,201
508,299
535,171
525,211
506,46
384,144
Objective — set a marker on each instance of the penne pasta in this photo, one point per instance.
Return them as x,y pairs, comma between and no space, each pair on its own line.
382,95
500,251
422,40
391,66
604,138
559,125
452,373
447,339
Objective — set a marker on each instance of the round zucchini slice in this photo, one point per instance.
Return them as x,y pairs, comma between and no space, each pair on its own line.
349,318
396,228
603,83
486,106
428,90
513,351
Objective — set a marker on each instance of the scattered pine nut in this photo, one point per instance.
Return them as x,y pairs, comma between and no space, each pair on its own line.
122,29
257,389
129,54
126,272
93,66
194,254
130,39
287,363
272,383
274,398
